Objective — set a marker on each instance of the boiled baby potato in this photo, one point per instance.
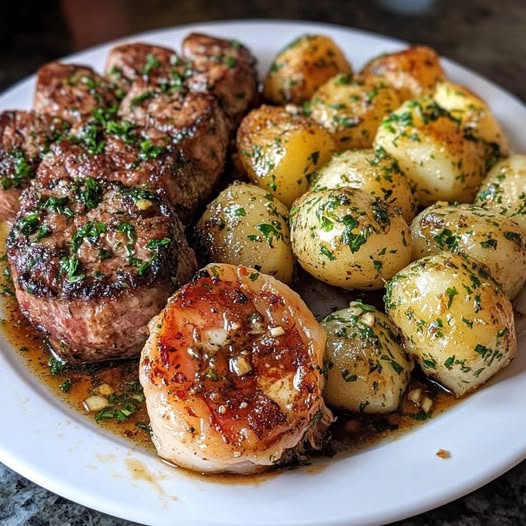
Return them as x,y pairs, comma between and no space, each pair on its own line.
348,238
504,189
475,117
280,151
413,72
433,151
455,320
491,239
367,368
352,108
303,66
245,225
374,172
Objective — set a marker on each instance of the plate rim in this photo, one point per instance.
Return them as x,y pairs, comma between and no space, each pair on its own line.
41,479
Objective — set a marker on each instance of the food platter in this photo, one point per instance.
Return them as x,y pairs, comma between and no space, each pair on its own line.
59,449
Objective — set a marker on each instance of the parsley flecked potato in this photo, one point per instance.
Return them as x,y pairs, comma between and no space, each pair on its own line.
442,161
504,189
367,367
280,151
245,225
413,71
490,238
348,238
455,320
475,117
352,108
303,66
373,171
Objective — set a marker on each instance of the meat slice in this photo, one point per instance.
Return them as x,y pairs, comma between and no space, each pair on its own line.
92,262
194,122
24,138
121,151
72,92
225,68
154,65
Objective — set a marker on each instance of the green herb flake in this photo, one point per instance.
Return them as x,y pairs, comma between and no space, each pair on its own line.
56,366
65,387
451,292
151,63
327,253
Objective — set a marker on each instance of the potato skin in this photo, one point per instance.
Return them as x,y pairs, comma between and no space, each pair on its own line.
303,66
504,189
373,171
280,151
412,72
352,108
349,239
455,320
475,116
491,239
245,225
367,368
442,162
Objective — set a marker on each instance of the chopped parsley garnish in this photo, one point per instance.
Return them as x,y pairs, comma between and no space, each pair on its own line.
136,101
151,63
71,267
22,170
451,292
28,224
353,240
149,151
56,366
59,205
327,253
156,244
88,192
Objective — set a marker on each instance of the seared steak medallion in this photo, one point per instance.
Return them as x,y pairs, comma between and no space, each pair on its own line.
24,138
194,121
72,92
121,151
155,65
92,261
225,68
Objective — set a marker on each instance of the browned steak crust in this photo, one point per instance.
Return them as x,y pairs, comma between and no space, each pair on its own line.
72,92
194,122
121,151
154,65
24,138
225,68
92,262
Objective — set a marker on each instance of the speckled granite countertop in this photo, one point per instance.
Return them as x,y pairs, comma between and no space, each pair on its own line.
486,36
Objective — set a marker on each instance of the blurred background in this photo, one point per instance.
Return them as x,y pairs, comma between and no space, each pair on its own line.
486,36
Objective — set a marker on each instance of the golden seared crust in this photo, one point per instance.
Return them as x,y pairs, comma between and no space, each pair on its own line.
232,372
71,92
225,68
302,67
413,72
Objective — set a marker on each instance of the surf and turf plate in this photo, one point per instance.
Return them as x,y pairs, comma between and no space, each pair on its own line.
49,443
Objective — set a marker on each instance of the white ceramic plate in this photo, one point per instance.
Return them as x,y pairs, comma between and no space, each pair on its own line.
486,434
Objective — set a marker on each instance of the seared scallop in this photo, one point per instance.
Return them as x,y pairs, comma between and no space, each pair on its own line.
232,373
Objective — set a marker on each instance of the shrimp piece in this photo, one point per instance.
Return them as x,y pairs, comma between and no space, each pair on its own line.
232,373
